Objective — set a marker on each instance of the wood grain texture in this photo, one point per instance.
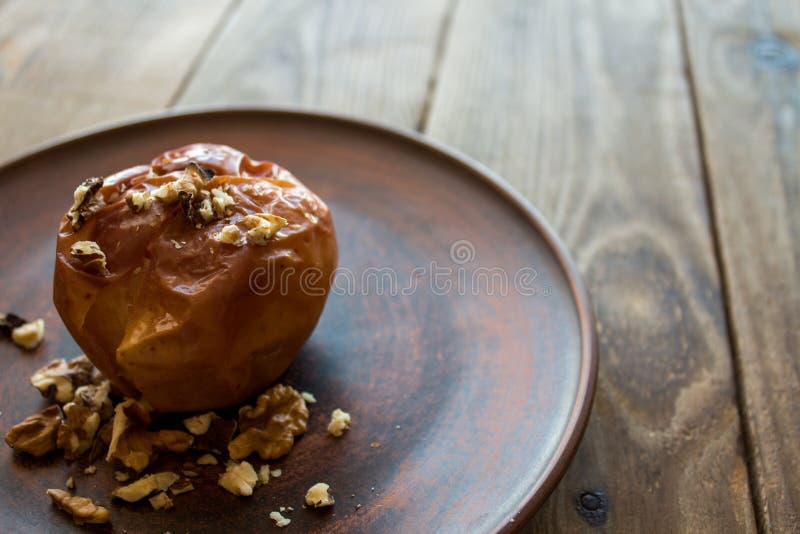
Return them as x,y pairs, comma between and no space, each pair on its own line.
745,59
583,106
67,65
366,58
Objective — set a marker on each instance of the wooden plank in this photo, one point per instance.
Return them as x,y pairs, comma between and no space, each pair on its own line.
583,106
67,65
745,59
358,57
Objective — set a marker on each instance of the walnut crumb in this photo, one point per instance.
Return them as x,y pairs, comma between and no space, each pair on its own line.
221,201
319,495
181,487
263,474
199,424
160,501
375,444
207,459
168,193
239,478
91,257
280,521
70,483
188,473
86,202
230,235
340,421
138,201
81,509
91,470
37,434
146,485
276,473
308,397
121,476
261,227
28,335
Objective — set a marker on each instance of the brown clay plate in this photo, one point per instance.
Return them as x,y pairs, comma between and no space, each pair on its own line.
458,335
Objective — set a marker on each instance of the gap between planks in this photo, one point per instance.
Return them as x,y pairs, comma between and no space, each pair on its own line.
747,431
438,58
209,41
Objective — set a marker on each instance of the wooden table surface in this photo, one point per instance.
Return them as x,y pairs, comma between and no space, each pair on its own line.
661,138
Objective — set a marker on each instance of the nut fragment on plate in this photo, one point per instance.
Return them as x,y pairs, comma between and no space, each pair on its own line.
239,478
62,377
181,487
319,495
280,520
76,432
340,421
263,474
26,334
270,427
90,470
95,398
90,256
207,459
133,445
146,485
86,202
81,509
199,424
37,434
309,397
161,501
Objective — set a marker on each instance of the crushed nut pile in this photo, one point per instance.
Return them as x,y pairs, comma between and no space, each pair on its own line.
84,420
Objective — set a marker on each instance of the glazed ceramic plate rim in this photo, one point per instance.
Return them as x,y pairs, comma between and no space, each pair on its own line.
581,408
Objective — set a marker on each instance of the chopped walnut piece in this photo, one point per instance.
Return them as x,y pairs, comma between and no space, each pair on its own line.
181,487
309,398
262,227
196,170
160,501
95,397
207,459
269,428
146,485
276,473
121,476
239,478
77,430
230,235
86,202
263,474
83,510
28,335
90,470
168,193
133,445
340,421
205,210
37,434
189,473
138,201
199,424
62,377
280,521
221,201
319,495
91,257
70,483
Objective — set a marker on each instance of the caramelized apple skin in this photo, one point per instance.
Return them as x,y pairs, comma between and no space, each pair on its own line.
185,321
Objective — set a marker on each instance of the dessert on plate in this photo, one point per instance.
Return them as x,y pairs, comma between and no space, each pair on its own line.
192,282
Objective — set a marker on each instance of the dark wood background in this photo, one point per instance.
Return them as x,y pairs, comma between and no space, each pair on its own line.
660,137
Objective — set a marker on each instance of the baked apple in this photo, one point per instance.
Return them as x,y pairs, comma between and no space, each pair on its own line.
192,282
